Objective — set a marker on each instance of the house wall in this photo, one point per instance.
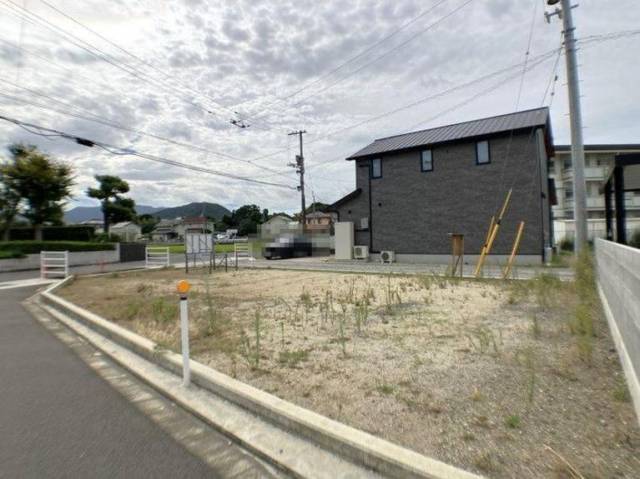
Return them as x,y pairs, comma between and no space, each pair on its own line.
413,212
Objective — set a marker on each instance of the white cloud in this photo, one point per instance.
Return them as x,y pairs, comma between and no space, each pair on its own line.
221,57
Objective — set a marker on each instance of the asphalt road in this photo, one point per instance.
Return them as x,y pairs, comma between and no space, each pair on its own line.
59,419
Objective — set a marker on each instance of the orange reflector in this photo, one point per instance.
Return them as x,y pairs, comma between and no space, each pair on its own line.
183,286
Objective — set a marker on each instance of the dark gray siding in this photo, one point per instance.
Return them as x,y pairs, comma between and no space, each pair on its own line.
413,212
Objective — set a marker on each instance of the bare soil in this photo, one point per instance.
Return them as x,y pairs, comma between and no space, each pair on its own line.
494,377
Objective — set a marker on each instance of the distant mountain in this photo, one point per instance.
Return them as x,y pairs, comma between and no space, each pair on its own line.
84,213
212,210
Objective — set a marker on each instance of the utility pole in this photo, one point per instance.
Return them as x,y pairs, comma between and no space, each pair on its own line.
577,145
299,166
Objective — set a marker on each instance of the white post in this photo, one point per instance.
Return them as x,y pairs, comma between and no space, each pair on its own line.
184,330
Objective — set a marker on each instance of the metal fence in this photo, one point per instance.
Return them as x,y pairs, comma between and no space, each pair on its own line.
157,257
618,268
54,264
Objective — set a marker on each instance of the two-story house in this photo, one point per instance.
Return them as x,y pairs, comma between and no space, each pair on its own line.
413,190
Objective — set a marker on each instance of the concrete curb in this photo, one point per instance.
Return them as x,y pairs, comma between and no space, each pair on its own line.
354,445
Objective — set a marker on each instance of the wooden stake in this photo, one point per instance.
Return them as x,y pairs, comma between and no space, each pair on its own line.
514,251
486,249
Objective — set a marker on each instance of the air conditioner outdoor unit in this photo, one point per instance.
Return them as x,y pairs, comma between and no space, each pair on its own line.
361,252
387,256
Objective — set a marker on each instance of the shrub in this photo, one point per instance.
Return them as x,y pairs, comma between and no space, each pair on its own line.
11,254
54,233
635,239
35,247
566,244
107,238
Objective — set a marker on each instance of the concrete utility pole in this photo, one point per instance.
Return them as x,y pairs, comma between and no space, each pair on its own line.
299,166
577,145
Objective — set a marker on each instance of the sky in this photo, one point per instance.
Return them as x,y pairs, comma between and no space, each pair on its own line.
173,74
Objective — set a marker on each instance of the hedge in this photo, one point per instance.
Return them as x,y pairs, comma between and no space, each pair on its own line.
54,233
11,254
35,247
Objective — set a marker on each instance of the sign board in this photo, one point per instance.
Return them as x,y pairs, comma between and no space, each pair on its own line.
198,243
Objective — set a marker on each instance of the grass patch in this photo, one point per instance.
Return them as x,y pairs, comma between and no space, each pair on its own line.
513,421
291,359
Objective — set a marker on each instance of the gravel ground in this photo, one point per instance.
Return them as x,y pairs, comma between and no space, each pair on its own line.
485,375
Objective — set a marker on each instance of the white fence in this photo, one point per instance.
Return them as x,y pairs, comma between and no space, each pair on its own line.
157,257
54,264
618,268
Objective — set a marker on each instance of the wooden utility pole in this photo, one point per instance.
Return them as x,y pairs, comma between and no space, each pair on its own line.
299,166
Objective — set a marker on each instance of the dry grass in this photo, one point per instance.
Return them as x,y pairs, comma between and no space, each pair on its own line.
457,370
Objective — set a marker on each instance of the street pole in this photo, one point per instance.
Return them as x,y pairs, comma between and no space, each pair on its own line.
299,165
575,113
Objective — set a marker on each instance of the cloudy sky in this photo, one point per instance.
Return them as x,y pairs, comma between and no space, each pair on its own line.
171,74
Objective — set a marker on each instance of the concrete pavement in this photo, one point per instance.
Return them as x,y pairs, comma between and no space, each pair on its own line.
59,418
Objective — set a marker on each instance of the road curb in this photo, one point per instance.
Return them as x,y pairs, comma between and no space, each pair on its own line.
355,446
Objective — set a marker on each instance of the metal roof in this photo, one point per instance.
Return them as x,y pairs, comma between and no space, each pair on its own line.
458,131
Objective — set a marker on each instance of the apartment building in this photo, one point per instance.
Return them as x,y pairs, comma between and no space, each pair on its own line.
599,161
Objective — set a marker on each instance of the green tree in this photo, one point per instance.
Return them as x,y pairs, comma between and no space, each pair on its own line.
9,203
147,223
115,208
41,182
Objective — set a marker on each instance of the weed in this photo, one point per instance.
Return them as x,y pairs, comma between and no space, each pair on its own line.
163,311
526,357
132,309
485,462
621,392
535,326
251,352
361,313
292,358
476,395
468,436
211,310
482,339
385,389
392,295
341,331
513,421
546,288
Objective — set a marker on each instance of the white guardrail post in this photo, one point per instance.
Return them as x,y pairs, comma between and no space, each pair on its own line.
54,264
183,290
157,257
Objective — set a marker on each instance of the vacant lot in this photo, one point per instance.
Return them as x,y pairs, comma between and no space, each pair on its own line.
514,379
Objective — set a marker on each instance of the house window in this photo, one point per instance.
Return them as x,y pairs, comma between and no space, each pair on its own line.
426,160
376,168
482,153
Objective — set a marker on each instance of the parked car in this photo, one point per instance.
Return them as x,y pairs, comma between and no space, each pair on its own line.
288,246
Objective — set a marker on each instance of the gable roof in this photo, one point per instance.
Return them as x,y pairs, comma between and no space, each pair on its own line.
458,131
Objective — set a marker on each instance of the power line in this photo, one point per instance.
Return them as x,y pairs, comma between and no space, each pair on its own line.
376,59
128,151
141,60
37,20
354,58
95,119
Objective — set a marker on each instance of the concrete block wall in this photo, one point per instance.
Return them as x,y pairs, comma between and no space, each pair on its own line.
618,269
78,258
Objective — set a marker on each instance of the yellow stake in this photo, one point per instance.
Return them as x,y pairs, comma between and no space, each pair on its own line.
494,232
514,251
